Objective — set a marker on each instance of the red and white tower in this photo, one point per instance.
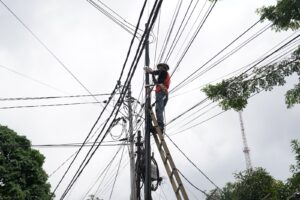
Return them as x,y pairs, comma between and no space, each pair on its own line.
246,149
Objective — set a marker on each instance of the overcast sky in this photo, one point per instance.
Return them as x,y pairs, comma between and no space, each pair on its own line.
94,48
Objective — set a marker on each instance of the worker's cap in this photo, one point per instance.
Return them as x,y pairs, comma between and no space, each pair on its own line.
164,65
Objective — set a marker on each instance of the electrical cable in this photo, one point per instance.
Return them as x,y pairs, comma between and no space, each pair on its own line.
129,77
281,47
199,123
194,36
118,83
49,105
50,97
110,16
178,35
221,51
100,175
192,163
202,191
33,79
47,48
170,30
116,176
188,110
227,55
72,145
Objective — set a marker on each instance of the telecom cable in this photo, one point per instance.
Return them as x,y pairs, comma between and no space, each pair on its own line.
194,36
47,48
132,69
221,51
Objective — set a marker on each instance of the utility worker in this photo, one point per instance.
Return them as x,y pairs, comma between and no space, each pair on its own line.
161,90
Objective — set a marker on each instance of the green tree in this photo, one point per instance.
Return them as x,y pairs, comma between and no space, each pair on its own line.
256,184
293,183
93,197
234,92
21,173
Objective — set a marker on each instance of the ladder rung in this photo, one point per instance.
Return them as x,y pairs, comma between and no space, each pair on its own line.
172,173
167,158
160,146
178,188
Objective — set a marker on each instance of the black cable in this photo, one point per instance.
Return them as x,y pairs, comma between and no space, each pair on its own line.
170,30
180,31
202,191
114,19
48,105
193,163
133,68
188,110
195,35
50,97
103,171
263,59
226,56
281,47
153,14
114,90
72,145
116,176
222,50
33,79
47,48
201,114
200,122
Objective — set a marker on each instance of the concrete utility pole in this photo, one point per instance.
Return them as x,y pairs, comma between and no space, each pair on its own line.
133,194
139,145
147,183
246,148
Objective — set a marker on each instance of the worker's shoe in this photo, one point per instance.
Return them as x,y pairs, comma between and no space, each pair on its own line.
161,126
152,130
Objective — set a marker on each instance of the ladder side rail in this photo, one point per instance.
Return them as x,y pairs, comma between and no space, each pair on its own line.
169,157
174,184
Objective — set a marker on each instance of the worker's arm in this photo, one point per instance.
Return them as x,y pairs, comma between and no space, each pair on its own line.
161,79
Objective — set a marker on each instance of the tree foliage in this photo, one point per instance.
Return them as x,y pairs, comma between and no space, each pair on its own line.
258,184
21,173
253,184
285,15
234,92
293,183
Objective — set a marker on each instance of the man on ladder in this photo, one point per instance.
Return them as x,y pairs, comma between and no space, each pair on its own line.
161,91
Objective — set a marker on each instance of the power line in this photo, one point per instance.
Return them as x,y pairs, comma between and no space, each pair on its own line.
200,123
48,105
73,145
116,176
50,97
110,16
103,171
129,77
114,90
195,35
188,110
170,29
226,55
192,163
32,79
221,51
139,52
178,35
202,191
47,48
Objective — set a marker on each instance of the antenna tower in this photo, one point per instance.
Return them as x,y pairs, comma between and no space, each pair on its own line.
246,149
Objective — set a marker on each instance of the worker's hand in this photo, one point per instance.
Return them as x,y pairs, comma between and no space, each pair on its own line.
148,69
163,87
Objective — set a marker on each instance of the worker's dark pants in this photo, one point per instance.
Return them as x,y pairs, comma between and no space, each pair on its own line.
161,101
